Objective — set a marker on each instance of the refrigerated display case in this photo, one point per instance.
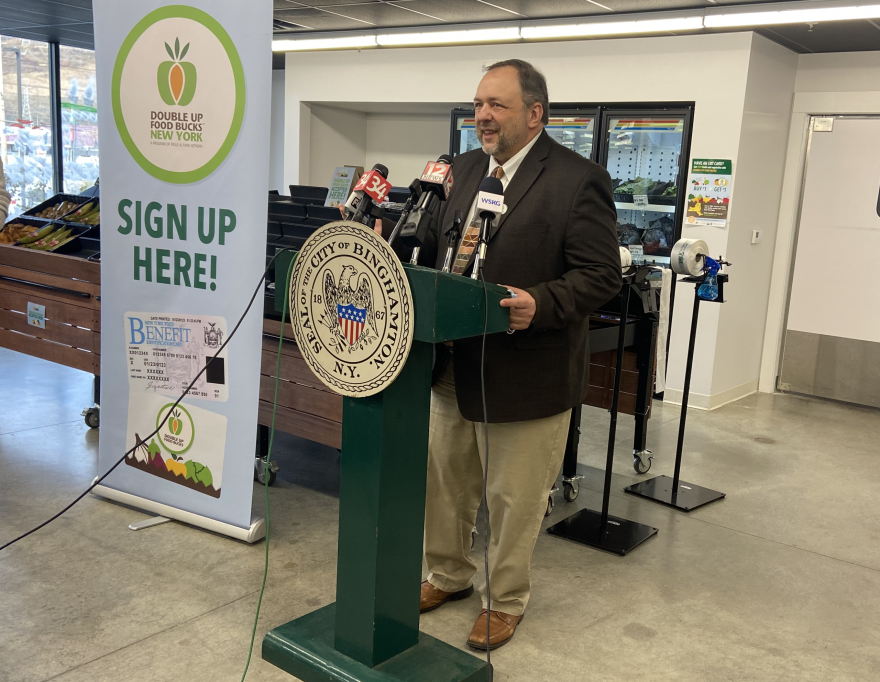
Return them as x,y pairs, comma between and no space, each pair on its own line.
646,153
645,149
570,127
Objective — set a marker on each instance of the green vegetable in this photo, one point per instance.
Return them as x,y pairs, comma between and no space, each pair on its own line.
199,473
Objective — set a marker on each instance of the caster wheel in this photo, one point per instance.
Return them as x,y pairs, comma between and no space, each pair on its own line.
550,504
570,491
93,418
260,472
640,467
272,476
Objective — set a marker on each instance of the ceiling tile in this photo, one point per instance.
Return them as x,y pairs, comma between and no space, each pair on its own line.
830,36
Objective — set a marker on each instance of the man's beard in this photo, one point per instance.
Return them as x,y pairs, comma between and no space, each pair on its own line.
503,143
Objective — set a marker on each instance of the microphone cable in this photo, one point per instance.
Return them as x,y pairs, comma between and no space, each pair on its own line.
486,473
284,312
168,413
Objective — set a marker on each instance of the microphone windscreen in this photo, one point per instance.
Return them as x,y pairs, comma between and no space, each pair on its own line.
444,158
382,170
492,185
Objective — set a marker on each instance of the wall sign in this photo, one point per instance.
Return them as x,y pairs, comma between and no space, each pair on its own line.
709,192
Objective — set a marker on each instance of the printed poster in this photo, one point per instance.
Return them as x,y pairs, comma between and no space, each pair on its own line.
709,192
184,126
166,352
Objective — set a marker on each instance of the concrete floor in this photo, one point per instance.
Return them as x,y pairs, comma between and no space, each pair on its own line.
780,581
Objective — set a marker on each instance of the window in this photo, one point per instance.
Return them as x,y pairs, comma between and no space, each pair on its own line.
79,119
26,113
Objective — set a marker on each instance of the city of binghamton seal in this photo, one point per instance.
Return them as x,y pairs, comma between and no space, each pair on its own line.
351,309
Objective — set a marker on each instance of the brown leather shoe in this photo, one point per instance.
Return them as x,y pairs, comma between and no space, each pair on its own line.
432,598
501,629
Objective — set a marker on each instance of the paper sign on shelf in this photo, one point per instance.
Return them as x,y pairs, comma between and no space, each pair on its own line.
36,315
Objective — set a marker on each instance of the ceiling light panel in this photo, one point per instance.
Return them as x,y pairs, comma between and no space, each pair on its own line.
793,16
605,28
340,43
485,35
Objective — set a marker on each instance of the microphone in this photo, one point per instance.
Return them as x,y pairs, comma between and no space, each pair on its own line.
436,184
453,234
490,202
415,191
370,191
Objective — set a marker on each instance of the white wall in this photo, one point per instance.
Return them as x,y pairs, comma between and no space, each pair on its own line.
338,138
836,83
276,134
711,70
405,143
756,199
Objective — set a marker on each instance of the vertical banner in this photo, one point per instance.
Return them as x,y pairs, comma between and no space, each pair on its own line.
709,192
184,93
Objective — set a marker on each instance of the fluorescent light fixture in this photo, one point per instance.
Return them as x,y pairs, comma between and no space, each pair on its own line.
792,16
477,35
605,28
340,43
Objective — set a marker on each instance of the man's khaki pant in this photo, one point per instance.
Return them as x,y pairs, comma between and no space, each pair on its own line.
524,460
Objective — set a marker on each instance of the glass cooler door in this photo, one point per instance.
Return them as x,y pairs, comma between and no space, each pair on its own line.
643,153
571,128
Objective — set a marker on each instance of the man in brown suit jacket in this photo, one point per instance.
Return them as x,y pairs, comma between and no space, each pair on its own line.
555,247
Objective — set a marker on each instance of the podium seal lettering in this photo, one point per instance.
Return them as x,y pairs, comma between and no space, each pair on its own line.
351,309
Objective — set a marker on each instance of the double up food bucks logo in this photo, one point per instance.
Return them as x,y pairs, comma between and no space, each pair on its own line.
176,79
178,94
351,309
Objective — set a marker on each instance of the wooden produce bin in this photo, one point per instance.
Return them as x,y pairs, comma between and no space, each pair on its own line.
602,366
69,288
306,407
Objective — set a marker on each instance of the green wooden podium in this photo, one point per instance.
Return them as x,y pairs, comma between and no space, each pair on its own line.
372,632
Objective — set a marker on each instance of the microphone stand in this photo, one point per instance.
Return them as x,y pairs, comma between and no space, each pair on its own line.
415,191
600,529
453,234
480,260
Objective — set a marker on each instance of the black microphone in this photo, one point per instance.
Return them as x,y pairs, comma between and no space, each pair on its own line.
436,183
415,192
490,203
453,234
370,191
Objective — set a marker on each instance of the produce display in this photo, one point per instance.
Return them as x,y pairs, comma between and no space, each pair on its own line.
17,230
644,186
47,238
88,214
58,210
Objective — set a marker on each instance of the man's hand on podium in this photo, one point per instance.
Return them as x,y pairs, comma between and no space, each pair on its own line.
522,308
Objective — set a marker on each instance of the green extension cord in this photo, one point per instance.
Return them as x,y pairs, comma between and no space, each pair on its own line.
268,459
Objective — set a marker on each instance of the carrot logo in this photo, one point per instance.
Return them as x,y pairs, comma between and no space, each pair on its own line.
175,425
176,79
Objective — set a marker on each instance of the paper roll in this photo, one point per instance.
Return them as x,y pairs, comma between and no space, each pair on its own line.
626,259
687,257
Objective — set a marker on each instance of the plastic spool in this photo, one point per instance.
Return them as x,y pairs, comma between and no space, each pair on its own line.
626,259
688,256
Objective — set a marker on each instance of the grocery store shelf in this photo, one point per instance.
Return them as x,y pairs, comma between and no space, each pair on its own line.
659,208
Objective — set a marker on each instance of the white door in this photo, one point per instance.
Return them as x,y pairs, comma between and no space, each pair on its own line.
832,340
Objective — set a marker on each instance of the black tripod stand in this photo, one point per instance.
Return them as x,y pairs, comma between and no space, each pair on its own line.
600,529
672,491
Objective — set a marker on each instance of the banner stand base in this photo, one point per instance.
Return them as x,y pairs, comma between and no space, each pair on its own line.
148,523
256,531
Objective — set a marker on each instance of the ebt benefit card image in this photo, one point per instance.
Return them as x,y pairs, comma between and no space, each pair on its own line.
188,449
166,351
